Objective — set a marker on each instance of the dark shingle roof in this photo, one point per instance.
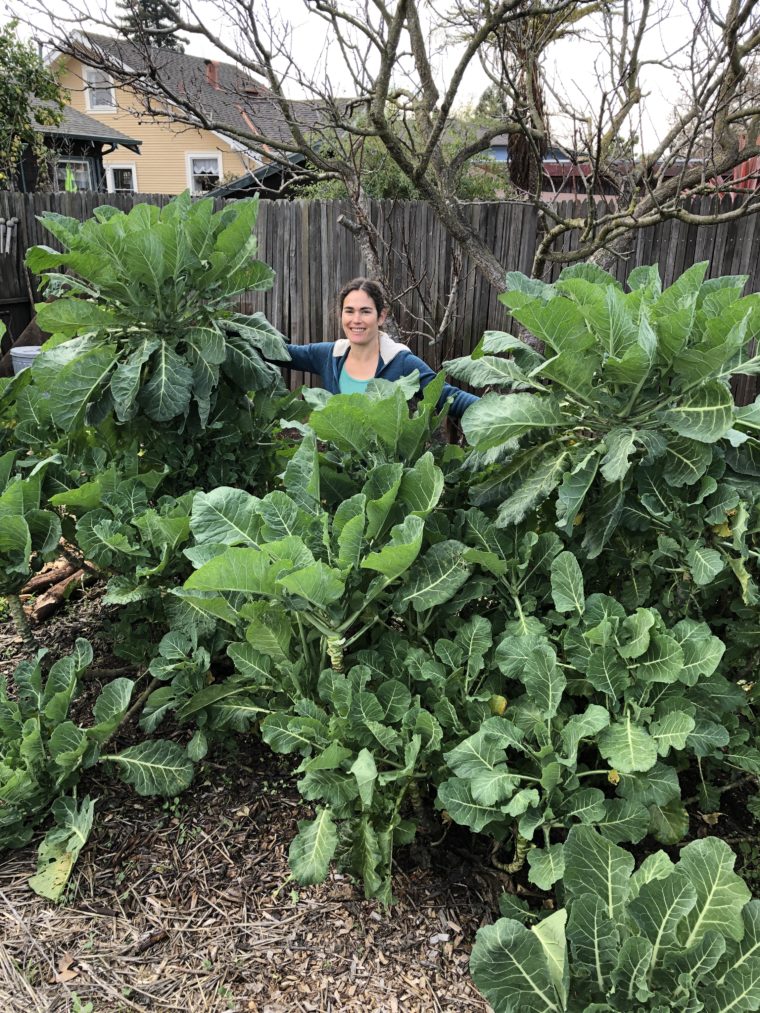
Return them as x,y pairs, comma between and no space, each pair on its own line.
240,101
188,77
82,127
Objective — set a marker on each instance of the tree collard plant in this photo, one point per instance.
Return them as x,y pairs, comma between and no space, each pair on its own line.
145,330
135,537
637,410
598,698
311,585
43,753
668,936
634,449
29,537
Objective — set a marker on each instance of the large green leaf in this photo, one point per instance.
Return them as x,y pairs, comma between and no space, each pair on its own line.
593,938
313,848
246,570
111,706
620,444
593,865
558,322
422,485
510,967
572,493
702,651
318,584
721,893
158,767
659,909
544,680
662,661
705,415
537,476
125,379
627,746
225,516
400,552
488,371
583,726
739,990
630,974
497,418
455,796
73,316
381,490
672,731
435,578
167,392
77,384
607,673
685,461
603,518
705,564
547,865
567,584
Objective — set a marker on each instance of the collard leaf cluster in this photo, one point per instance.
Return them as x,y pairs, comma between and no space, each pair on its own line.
667,936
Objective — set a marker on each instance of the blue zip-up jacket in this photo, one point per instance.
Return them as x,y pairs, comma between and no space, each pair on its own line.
328,357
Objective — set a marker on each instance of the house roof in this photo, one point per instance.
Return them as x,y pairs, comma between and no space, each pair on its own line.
218,90
256,179
227,95
79,126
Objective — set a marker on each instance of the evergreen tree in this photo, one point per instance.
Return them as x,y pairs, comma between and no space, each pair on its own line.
151,21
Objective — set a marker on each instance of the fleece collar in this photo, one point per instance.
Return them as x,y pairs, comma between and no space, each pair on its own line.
389,348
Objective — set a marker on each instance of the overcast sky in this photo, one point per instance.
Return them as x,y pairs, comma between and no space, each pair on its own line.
570,67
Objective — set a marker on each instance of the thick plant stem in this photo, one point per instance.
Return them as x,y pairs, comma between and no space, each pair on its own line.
522,847
335,652
18,615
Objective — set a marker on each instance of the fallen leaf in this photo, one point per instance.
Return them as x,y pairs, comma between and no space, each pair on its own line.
67,969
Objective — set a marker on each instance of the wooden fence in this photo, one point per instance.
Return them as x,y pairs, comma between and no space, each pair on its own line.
313,254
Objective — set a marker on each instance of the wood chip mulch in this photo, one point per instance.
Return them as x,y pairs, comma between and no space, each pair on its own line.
186,905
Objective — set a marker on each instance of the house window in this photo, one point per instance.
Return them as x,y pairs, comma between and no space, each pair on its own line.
121,178
73,174
100,94
204,172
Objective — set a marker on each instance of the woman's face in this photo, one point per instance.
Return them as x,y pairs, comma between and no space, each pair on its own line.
360,319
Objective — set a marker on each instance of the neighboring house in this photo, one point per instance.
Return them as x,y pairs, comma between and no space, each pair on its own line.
78,146
174,156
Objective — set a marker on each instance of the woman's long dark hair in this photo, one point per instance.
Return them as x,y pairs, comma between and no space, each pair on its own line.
373,290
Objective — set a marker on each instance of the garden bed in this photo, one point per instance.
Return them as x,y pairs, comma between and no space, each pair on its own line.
185,904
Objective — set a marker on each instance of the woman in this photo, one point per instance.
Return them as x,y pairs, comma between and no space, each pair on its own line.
346,366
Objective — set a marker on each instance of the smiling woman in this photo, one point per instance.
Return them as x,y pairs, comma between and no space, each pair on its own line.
366,352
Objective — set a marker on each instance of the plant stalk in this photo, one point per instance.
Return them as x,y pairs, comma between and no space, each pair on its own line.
21,623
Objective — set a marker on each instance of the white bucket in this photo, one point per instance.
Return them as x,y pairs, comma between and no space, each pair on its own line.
23,357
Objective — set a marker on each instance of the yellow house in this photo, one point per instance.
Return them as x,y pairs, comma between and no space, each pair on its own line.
174,156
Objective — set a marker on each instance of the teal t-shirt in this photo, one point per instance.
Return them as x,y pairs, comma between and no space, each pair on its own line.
348,385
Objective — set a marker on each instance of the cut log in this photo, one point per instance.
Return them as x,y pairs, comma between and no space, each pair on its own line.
52,573
53,598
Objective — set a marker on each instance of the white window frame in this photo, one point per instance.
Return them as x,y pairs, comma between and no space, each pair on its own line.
90,87
189,167
110,166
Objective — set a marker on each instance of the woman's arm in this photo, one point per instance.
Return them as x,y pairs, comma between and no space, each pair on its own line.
462,400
